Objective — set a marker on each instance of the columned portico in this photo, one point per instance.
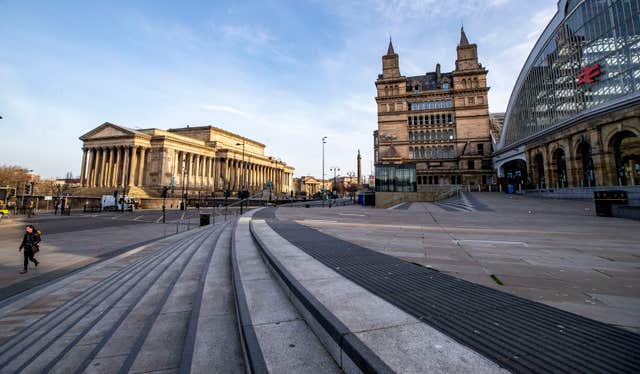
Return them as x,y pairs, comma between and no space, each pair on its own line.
143,161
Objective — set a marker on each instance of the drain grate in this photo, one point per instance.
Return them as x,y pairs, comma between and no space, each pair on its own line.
519,334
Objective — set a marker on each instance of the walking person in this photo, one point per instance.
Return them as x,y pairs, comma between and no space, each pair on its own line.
30,243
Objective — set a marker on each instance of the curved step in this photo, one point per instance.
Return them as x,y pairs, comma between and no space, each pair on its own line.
274,336
363,332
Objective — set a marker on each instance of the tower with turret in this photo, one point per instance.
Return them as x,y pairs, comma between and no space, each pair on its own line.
433,129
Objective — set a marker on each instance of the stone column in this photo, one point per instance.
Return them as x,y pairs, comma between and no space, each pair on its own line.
234,175
132,166
116,167
98,168
143,153
189,168
90,171
215,174
125,166
84,166
100,177
205,171
107,176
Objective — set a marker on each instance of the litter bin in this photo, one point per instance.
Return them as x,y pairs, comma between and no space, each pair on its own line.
510,189
205,219
605,199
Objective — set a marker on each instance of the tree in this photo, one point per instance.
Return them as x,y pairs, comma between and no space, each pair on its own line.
12,175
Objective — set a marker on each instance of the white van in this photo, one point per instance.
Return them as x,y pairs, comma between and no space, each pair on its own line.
109,203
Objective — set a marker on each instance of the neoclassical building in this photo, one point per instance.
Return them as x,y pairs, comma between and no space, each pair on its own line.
573,118
204,159
308,185
433,129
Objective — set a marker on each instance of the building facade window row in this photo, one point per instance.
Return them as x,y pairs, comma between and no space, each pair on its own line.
439,179
430,120
431,153
433,135
429,105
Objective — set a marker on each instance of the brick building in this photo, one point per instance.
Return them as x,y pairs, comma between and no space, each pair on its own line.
433,129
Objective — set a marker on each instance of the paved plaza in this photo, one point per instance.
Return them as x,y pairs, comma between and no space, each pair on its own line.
72,242
341,289
557,252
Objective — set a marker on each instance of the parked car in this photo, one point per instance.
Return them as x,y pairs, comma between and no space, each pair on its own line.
4,212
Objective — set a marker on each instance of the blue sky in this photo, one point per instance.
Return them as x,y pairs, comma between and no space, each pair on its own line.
284,73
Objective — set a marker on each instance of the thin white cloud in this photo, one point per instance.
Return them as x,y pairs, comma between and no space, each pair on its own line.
227,109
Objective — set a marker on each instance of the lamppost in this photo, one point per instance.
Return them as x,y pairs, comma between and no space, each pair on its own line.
324,141
242,186
335,171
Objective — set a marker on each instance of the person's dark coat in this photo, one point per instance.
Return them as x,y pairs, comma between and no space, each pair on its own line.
30,242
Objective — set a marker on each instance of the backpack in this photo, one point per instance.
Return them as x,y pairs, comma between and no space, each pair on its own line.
36,248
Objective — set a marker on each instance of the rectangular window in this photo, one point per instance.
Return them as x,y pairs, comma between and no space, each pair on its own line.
471,165
472,100
449,118
481,149
437,119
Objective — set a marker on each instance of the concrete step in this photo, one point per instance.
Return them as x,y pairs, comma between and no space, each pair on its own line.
152,315
362,332
274,336
213,344
81,311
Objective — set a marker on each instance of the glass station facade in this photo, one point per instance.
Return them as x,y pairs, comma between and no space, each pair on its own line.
592,58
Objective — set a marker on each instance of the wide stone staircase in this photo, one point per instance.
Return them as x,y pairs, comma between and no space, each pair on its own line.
238,297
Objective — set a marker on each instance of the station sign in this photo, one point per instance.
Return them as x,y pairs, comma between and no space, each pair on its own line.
588,74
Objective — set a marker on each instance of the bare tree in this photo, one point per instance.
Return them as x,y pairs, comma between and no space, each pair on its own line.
12,175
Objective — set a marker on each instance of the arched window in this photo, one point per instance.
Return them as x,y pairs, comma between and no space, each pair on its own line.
433,152
422,155
433,135
464,83
428,155
475,83
452,153
421,136
410,136
386,91
410,152
439,135
426,134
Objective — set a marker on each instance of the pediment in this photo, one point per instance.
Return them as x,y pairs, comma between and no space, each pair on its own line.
108,130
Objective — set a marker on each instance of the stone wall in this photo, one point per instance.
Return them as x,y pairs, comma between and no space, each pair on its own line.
388,199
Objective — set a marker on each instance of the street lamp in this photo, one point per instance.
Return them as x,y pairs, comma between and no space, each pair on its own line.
335,171
324,141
